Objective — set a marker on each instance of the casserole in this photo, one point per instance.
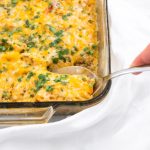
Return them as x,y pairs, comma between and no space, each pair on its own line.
40,112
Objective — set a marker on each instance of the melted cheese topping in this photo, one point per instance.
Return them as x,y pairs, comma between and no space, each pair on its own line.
37,36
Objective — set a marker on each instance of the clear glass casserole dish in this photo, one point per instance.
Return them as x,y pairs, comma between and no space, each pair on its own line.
40,112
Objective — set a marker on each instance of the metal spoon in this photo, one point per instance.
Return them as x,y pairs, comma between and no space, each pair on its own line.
100,81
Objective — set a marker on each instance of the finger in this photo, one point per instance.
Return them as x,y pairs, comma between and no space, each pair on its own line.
143,58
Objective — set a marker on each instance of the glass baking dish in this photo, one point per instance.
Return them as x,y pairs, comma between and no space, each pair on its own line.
41,112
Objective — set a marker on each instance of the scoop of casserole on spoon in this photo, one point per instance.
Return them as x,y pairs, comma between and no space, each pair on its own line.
99,80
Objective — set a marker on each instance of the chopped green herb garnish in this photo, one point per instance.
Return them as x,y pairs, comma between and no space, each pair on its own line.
3,70
36,16
30,44
42,79
18,29
62,79
11,48
19,79
94,46
5,95
91,52
14,1
2,48
65,17
49,88
31,37
4,40
52,29
57,80
55,42
5,46
74,50
59,33
61,54
86,49
55,60
38,85
30,74
27,23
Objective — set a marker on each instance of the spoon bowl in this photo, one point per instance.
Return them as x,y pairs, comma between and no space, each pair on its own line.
79,70
99,81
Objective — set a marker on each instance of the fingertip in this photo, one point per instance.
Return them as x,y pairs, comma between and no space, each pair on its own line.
143,58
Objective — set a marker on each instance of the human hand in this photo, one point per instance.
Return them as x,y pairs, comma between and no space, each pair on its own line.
143,58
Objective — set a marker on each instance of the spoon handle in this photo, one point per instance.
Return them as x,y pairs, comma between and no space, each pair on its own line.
127,71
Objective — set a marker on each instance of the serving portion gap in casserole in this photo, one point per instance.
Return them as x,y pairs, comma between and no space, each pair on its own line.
37,36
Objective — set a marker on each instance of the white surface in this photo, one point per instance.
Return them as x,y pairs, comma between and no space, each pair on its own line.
122,121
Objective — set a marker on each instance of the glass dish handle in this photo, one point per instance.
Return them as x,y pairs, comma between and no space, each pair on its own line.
22,116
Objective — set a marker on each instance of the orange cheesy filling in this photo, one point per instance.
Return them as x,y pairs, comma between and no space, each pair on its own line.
37,36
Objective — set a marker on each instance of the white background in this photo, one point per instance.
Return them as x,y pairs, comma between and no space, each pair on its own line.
122,120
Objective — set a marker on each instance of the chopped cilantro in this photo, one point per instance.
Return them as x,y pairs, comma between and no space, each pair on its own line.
52,29
19,29
55,42
36,16
5,46
11,48
38,85
14,1
91,52
62,79
19,79
57,80
5,95
63,52
3,70
49,88
88,51
94,46
27,24
59,33
30,44
30,74
65,17
4,40
55,60
74,50
42,79
2,48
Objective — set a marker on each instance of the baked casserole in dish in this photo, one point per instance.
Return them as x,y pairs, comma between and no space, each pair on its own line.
38,36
